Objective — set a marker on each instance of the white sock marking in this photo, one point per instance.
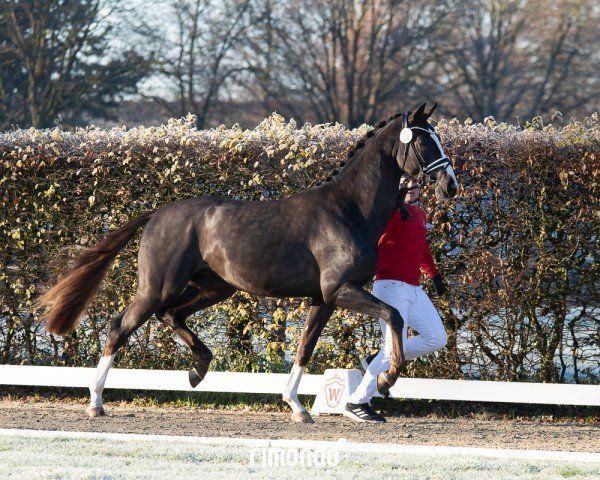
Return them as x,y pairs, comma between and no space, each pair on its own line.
100,379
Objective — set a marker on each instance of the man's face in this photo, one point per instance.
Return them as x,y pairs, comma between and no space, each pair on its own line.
412,195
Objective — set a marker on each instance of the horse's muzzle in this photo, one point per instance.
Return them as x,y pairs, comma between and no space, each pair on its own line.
446,186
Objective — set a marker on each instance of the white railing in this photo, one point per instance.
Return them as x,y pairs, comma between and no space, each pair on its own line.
414,388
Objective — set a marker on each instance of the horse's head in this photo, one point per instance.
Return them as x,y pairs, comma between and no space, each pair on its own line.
420,153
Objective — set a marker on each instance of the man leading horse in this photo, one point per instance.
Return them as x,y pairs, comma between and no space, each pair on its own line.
320,243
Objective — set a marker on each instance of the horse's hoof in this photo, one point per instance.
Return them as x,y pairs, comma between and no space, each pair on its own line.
383,384
302,417
95,411
195,379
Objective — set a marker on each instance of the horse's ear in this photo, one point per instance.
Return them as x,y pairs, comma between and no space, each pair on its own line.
431,110
418,113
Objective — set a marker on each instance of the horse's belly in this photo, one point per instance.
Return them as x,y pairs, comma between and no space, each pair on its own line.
269,275
260,248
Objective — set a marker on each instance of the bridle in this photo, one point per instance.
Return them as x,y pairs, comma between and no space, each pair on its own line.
407,137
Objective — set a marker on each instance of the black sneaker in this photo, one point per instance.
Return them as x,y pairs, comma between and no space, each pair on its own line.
362,412
365,362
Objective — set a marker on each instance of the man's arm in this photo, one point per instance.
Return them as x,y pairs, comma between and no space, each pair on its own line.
430,268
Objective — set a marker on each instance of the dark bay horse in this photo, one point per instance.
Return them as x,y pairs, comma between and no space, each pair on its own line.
320,243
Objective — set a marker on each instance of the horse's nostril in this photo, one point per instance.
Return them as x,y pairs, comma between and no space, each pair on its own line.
452,188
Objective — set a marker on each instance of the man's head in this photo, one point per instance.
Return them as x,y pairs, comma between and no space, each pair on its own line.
411,187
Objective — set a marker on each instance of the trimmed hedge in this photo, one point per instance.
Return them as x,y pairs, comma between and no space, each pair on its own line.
518,247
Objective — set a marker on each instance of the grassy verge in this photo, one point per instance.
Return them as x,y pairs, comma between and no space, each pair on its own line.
60,457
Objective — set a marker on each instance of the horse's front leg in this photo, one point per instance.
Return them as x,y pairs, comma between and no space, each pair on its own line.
318,316
358,300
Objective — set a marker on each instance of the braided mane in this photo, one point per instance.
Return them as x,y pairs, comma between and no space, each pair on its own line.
359,145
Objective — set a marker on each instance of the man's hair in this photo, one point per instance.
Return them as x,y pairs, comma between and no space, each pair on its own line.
401,204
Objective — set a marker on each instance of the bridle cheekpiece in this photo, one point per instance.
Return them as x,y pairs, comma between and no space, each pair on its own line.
407,137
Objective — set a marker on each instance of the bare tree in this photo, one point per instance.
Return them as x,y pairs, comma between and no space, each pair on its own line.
564,74
200,59
11,100
520,57
62,50
345,60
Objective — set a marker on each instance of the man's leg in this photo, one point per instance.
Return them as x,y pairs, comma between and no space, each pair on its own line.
393,293
423,317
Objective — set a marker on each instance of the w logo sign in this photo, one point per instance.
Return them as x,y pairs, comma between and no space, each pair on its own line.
337,384
334,390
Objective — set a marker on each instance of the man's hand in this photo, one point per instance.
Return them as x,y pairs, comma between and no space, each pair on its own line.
439,284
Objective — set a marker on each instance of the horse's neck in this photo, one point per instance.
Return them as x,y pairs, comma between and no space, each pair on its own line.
370,181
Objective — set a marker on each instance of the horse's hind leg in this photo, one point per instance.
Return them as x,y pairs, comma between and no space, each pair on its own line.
121,327
95,408
192,299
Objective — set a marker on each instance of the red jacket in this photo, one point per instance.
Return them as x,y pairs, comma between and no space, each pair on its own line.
403,250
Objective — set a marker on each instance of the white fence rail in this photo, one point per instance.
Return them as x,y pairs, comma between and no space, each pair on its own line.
414,388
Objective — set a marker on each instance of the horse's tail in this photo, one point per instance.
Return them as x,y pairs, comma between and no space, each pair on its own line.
68,299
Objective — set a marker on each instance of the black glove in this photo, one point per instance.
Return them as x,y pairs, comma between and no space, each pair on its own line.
439,284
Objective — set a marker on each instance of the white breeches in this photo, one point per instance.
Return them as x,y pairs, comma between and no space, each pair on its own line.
418,313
